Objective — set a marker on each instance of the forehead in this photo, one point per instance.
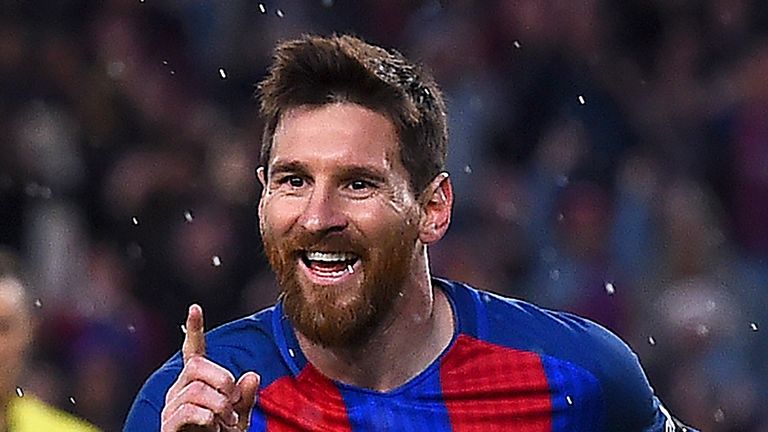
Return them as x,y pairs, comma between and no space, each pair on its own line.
338,131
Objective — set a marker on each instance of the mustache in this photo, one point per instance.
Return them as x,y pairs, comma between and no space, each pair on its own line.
324,241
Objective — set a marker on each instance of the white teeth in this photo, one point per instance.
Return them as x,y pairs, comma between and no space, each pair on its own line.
330,256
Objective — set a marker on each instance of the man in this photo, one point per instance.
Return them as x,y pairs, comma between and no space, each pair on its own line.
363,338
20,411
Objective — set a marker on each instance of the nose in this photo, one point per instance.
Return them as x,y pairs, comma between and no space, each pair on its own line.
323,212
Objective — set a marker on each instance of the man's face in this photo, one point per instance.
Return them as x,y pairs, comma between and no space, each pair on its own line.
338,220
15,331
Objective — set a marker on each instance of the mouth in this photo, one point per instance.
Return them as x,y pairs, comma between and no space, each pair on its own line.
325,268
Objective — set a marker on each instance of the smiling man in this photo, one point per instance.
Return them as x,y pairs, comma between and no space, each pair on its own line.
363,338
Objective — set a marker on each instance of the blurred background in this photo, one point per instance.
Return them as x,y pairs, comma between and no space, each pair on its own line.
609,158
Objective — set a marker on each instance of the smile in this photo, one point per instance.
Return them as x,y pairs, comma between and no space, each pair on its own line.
325,268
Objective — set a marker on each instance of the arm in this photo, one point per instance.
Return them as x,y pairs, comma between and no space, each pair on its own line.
632,404
204,394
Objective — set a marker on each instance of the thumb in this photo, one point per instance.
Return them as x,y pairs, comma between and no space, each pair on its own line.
248,384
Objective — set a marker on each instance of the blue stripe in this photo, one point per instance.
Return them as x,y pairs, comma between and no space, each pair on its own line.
577,398
415,408
258,421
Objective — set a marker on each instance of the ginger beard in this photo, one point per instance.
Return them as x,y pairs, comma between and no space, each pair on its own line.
346,314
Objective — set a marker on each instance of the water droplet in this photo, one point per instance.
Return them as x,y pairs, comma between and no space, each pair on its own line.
517,44
569,400
467,169
486,298
350,269
609,288
216,260
135,220
560,217
38,303
262,8
131,328
327,3
173,72
554,274
188,216
400,294
562,180
72,400
651,340
183,329
222,73
279,13
19,392
291,353
581,100
753,326
165,62
719,415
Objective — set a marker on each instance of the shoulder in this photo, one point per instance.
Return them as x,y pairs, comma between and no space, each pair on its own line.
525,326
246,344
570,349
28,414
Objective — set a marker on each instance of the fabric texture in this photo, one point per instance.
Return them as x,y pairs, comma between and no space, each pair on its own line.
510,366
27,414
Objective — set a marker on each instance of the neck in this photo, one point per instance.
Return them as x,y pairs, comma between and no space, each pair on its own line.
408,341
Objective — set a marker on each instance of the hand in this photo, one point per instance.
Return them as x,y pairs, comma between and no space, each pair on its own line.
205,397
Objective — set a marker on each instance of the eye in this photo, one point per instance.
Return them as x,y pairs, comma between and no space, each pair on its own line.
359,185
293,181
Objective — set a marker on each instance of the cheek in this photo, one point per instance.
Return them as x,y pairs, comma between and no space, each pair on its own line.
386,228
276,216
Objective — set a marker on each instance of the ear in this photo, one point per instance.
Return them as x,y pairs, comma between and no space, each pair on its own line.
261,175
437,202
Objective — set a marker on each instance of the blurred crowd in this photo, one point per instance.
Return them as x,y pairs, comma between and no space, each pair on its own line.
609,158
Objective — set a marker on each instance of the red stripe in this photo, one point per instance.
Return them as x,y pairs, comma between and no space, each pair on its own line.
492,388
309,402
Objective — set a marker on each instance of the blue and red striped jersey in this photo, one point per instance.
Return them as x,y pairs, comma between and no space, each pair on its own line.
511,366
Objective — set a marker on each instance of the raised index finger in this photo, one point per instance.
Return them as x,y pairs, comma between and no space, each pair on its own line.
194,339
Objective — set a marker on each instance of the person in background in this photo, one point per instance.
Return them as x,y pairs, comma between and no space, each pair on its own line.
20,411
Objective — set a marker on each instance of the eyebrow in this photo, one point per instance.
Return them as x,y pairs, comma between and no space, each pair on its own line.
374,173
365,171
288,166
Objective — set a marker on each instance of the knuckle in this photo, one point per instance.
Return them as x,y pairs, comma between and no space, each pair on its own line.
194,364
196,388
225,381
196,415
220,406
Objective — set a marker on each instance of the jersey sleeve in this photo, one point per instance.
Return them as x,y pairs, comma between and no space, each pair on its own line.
144,415
631,404
626,399
239,346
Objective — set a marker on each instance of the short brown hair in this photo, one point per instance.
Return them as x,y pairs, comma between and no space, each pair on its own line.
316,70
